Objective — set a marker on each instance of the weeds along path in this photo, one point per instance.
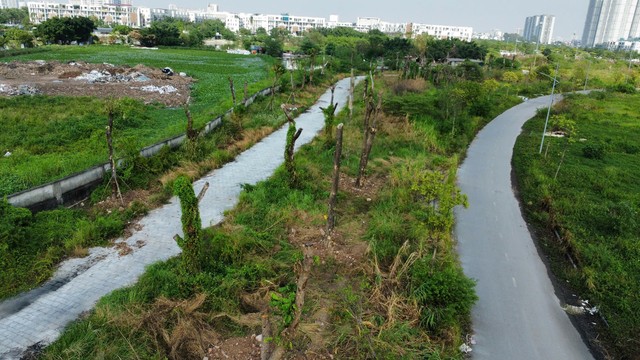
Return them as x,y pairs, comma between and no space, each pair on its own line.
39,316
518,315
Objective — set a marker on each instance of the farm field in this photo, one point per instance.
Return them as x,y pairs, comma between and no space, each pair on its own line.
593,203
50,137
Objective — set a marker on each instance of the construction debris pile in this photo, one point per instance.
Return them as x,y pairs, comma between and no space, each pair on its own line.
75,78
9,90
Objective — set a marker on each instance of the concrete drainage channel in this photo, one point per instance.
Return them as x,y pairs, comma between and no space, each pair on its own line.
37,318
77,186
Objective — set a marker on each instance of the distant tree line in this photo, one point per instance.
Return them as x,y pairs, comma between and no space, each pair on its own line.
14,16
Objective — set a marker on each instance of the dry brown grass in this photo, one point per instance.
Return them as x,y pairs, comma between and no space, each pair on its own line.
401,86
386,294
181,330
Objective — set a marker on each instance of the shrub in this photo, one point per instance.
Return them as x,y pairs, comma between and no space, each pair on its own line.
594,151
444,297
622,88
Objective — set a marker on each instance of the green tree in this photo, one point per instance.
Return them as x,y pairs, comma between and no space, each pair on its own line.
14,16
19,37
213,28
65,30
122,29
163,32
273,47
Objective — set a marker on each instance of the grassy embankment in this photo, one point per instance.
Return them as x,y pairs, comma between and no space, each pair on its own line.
593,203
52,137
31,245
389,286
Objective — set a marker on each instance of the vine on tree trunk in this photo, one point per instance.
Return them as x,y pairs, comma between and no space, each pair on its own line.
191,225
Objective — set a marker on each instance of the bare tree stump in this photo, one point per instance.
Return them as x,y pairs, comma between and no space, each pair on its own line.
112,162
265,344
371,128
331,217
233,90
352,85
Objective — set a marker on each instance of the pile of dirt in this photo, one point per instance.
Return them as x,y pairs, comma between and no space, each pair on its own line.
76,78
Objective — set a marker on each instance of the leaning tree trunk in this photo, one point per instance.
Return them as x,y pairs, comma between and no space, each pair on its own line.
331,217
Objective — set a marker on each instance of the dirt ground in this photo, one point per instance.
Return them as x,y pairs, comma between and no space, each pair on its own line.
99,80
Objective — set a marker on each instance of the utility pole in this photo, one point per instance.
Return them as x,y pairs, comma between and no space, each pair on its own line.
546,122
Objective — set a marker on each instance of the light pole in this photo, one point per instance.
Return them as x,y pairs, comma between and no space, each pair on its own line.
546,122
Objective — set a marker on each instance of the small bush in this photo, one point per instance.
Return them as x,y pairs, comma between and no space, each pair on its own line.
594,151
444,296
622,88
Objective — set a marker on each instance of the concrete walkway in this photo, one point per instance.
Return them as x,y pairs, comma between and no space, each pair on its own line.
518,315
40,316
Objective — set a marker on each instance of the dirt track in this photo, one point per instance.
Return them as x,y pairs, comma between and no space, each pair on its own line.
99,80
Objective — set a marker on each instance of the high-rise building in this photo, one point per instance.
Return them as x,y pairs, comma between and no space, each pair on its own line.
9,4
610,21
539,28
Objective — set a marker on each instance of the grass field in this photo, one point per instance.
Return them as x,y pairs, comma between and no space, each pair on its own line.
52,137
593,203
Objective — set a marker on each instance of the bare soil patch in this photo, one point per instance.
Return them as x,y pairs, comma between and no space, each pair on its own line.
100,80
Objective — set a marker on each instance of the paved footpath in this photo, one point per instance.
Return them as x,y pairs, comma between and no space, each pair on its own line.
518,315
41,315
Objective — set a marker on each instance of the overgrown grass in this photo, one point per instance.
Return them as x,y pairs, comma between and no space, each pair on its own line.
593,204
32,245
52,137
406,297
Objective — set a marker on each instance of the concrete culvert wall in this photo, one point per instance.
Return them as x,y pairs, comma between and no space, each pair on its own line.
78,186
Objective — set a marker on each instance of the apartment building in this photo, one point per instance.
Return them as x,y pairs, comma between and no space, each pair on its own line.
539,28
611,21
115,12
111,14
442,31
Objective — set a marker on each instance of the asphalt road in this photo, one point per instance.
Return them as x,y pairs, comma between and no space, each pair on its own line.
518,315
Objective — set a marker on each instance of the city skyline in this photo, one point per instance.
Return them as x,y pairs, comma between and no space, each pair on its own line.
482,16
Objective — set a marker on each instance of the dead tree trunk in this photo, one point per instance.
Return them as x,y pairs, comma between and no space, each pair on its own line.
312,68
265,344
352,85
115,187
304,270
304,76
331,217
278,70
293,88
191,134
371,119
233,90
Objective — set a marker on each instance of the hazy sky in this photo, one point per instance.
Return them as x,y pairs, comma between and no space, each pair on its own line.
482,15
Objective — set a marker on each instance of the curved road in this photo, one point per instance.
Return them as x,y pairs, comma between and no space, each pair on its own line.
518,315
